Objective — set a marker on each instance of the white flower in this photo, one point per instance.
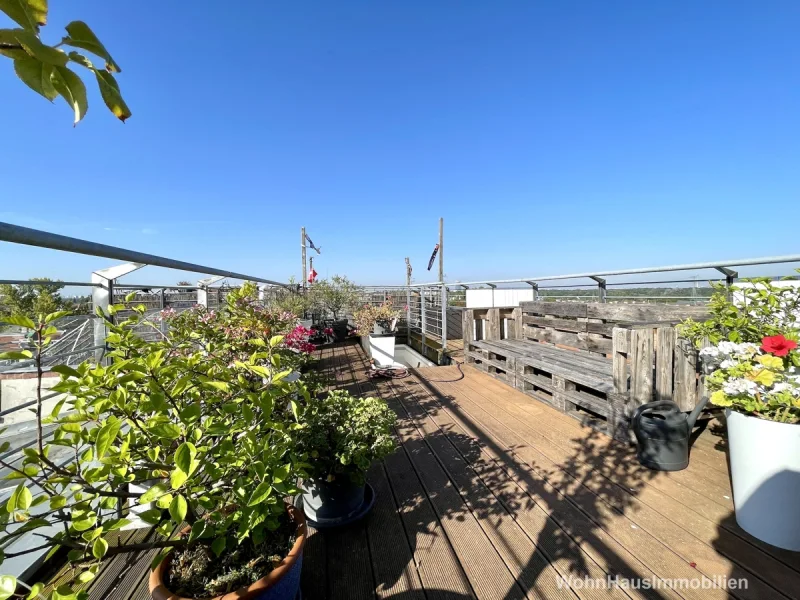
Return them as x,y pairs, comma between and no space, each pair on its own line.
728,363
740,387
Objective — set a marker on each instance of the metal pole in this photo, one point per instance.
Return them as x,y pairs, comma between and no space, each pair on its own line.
42,239
444,288
424,320
408,299
303,247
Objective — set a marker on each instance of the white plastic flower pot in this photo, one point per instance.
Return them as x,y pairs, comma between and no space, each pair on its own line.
765,472
381,349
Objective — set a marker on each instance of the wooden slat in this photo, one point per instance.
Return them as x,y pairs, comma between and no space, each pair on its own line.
644,312
641,366
556,309
685,380
564,338
664,358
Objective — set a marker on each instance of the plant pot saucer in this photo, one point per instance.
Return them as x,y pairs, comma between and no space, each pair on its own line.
369,502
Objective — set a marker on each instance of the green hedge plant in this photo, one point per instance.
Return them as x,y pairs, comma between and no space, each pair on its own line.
342,435
207,413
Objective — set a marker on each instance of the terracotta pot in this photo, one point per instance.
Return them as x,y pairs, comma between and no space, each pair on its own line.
275,586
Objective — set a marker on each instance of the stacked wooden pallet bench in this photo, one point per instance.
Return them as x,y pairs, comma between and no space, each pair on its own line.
596,362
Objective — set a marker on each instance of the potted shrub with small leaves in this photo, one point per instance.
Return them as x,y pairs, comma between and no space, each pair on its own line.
753,371
335,296
341,436
203,420
377,323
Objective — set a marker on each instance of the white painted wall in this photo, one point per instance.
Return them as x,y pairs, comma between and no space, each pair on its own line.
497,297
14,392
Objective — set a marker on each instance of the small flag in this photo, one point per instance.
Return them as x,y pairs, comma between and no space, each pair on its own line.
313,247
433,257
312,275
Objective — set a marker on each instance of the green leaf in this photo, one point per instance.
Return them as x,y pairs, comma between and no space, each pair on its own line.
19,320
220,385
8,585
36,589
34,47
177,509
57,315
16,355
154,492
81,36
99,548
190,413
86,577
83,520
177,478
184,456
37,75
72,90
30,14
152,516
110,92
281,473
169,431
218,546
106,436
65,371
261,493
275,340
57,502
20,499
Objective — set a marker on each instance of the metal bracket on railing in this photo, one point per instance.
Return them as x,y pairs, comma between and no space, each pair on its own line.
601,286
202,288
493,286
730,275
535,287
103,296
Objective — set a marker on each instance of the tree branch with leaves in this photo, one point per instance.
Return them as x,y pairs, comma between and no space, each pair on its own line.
45,68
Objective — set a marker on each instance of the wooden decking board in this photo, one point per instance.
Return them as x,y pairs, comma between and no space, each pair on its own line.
485,569
440,571
568,434
483,485
760,564
570,514
691,548
654,553
392,557
508,539
694,505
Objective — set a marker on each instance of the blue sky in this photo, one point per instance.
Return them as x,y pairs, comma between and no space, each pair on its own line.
552,137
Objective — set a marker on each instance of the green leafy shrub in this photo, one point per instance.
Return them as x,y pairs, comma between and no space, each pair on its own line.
342,435
370,315
207,412
335,295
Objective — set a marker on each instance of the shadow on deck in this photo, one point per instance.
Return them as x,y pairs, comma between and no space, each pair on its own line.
494,495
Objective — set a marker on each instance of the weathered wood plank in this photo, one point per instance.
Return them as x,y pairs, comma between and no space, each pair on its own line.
665,353
619,359
641,367
468,325
564,338
556,309
685,375
644,312
493,324
556,323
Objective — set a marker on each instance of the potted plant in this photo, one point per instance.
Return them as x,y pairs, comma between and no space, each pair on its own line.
335,296
208,414
341,436
753,371
377,323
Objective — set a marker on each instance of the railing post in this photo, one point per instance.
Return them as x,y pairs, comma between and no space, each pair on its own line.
408,300
102,297
601,288
422,317
535,288
493,286
202,289
730,278
444,317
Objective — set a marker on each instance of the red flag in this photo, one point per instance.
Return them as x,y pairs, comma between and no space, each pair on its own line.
312,276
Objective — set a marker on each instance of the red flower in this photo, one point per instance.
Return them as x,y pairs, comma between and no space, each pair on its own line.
778,345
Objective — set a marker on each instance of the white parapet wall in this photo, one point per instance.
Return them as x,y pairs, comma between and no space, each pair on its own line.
19,388
483,298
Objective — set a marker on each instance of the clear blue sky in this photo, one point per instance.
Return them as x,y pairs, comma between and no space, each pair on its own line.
551,136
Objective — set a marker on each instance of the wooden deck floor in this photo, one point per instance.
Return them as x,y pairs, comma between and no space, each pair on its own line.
494,495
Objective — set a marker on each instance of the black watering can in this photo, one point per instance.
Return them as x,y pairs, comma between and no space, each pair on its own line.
662,433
